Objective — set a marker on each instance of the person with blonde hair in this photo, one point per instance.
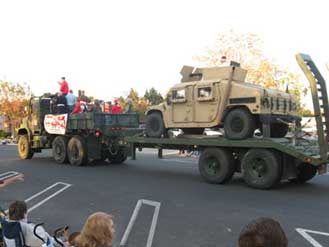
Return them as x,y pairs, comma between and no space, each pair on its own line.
98,231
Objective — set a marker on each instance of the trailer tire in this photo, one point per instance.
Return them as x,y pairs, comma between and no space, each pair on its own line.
261,168
154,125
239,124
279,130
59,147
25,151
305,172
77,151
119,158
216,165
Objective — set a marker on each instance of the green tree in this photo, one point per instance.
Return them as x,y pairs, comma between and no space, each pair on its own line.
153,96
246,49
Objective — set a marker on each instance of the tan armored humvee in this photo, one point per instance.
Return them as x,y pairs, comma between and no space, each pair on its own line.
220,97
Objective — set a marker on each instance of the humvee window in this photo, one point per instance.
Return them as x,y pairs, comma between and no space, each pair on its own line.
204,92
178,94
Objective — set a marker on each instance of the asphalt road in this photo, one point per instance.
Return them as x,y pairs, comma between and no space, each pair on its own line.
192,213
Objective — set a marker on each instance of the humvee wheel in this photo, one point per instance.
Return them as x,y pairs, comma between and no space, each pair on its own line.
239,124
60,150
119,158
305,172
154,125
77,151
216,165
261,168
279,130
24,149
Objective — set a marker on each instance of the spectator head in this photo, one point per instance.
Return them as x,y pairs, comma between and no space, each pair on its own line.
263,232
17,210
97,231
109,102
82,92
63,78
116,102
71,91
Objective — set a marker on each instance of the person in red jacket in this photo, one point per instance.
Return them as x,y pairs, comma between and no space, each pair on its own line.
5,182
64,86
77,107
116,108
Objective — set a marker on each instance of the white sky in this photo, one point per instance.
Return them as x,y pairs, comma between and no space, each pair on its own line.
108,47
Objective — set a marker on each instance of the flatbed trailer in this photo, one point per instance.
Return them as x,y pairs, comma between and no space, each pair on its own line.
263,162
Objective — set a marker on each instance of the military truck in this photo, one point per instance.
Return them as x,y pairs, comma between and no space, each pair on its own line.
220,97
76,138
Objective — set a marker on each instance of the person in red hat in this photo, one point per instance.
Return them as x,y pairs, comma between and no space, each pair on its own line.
64,86
116,108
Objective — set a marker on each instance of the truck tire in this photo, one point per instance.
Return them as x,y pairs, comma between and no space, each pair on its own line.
119,158
24,149
261,168
154,125
239,124
216,165
279,130
193,131
77,151
59,147
305,172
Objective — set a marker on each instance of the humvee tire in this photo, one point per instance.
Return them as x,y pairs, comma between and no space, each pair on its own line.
261,168
305,172
279,130
77,151
216,165
119,158
59,147
193,131
239,124
24,149
154,125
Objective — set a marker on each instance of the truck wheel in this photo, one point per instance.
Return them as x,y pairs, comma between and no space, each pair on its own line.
261,168
59,149
119,158
24,149
154,125
279,130
305,172
216,165
193,131
77,151
239,124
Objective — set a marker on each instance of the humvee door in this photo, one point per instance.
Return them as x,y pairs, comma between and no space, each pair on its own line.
182,104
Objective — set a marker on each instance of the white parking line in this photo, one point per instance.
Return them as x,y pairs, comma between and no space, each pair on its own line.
66,185
312,241
192,162
9,174
134,217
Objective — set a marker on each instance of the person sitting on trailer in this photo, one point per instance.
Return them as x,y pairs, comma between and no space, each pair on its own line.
18,232
263,232
5,182
116,108
77,107
61,104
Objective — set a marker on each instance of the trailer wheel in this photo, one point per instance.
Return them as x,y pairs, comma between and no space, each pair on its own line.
24,149
279,130
239,124
154,125
216,165
305,172
77,151
119,158
60,149
261,168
